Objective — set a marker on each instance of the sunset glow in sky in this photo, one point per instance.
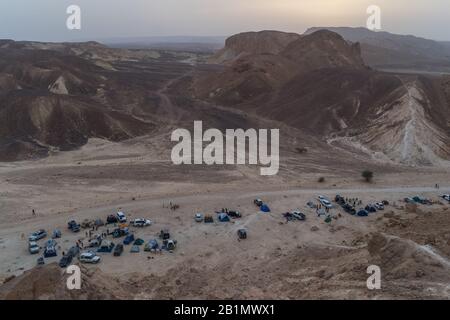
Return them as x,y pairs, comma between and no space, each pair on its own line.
45,19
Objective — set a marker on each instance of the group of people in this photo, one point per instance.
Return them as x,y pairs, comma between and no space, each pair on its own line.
319,208
80,244
354,201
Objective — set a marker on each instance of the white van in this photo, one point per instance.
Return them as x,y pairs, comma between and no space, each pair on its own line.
121,217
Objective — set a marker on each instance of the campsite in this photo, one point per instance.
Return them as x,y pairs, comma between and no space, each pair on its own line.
201,244
114,244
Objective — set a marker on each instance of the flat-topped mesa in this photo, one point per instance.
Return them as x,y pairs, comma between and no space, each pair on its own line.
323,49
253,68
247,43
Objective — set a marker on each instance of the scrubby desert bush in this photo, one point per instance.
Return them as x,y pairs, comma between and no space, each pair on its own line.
367,175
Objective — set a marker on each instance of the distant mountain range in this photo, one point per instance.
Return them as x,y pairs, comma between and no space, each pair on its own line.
386,50
180,43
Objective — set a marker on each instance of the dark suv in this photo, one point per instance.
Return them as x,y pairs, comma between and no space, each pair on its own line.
73,225
118,250
65,261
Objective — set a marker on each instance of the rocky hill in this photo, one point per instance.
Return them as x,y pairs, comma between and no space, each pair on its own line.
249,43
320,83
387,50
57,96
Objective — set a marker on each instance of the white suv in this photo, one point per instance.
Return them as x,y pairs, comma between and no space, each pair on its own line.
89,257
326,203
141,222
121,217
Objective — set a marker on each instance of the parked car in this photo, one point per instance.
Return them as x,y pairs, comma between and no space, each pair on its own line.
96,242
421,200
141,222
258,202
40,261
379,205
33,247
121,217
65,261
120,232
320,197
349,209
371,208
446,197
198,217
73,226
38,235
89,257
111,219
326,203
234,214
106,246
164,234
242,234
56,234
50,251
409,200
298,215
74,251
87,224
118,250
51,243
128,239
339,199
362,213
151,245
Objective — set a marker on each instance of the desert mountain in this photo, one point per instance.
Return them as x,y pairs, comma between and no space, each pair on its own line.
250,43
319,83
57,96
254,74
387,50
323,49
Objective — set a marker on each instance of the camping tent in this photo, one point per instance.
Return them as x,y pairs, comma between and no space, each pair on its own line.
265,208
223,217
151,245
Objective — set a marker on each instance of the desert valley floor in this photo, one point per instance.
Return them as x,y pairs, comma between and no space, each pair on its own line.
310,259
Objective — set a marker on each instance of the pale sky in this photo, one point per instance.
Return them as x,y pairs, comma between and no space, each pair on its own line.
45,20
